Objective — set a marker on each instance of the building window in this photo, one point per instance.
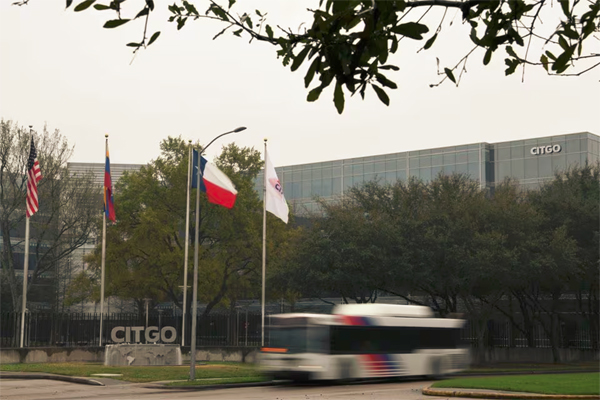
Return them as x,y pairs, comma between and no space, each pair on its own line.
503,153
357,169
573,145
531,168
517,168
436,160
573,160
449,159
545,167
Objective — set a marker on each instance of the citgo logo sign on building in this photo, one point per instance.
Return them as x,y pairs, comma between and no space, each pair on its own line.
536,151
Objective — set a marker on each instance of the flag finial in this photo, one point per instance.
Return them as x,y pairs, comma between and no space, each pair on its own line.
106,135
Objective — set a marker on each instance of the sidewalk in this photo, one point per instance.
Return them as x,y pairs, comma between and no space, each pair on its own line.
445,392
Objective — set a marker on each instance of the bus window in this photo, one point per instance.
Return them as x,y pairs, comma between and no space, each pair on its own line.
294,339
318,339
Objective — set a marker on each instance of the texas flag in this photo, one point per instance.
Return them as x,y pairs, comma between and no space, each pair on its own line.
214,182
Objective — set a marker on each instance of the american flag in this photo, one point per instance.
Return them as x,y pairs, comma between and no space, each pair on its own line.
34,174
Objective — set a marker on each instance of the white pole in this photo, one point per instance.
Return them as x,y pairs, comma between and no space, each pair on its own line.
195,283
264,250
25,273
187,240
103,256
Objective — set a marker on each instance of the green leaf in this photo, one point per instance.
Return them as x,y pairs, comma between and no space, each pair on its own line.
314,94
145,11
392,67
113,23
238,33
338,98
150,4
382,95
394,46
218,11
153,38
83,5
231,3
429,43
565,7
550,55
488,56
300,58
563,43
190,8
544,61
570,33
311,71
269,31
449,74
511,52
512,66
385,81
101,7
412,30
69,2
562,62
132,44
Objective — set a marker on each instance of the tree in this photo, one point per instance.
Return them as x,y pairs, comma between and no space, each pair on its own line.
339,255
349,43
68,207
145,248
571,204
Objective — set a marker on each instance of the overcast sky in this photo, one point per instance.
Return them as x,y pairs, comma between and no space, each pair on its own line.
63,69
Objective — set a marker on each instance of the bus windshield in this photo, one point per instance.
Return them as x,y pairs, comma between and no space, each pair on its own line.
294,339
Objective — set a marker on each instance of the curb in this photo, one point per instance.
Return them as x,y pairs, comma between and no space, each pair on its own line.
71,379
499,395
210,387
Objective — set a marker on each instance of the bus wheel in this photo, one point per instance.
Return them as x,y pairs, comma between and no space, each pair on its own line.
436,369
345,372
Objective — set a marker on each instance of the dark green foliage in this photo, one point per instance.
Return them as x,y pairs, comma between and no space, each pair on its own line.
451,243
349,41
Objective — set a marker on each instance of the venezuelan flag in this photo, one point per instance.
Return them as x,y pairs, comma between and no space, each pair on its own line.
109,204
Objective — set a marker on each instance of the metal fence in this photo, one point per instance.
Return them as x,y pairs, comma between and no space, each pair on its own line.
504,334
78,329
235,329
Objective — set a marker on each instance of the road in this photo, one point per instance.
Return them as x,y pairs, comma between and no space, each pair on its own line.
19,389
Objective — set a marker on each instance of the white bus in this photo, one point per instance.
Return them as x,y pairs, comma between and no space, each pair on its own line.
359,341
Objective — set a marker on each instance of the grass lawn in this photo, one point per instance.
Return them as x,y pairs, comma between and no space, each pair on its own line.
576,383
531,367
209,370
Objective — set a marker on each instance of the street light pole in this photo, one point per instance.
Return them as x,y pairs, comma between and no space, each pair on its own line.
196,244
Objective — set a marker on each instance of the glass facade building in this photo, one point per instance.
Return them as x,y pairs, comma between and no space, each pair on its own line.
530,162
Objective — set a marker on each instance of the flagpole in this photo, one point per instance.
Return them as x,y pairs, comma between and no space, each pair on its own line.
25,269
187,240
195,283
25,272
103,254
264,250
196,249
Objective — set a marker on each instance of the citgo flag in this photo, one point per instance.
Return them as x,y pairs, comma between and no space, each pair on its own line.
34,175
274,199
109,204
217,186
